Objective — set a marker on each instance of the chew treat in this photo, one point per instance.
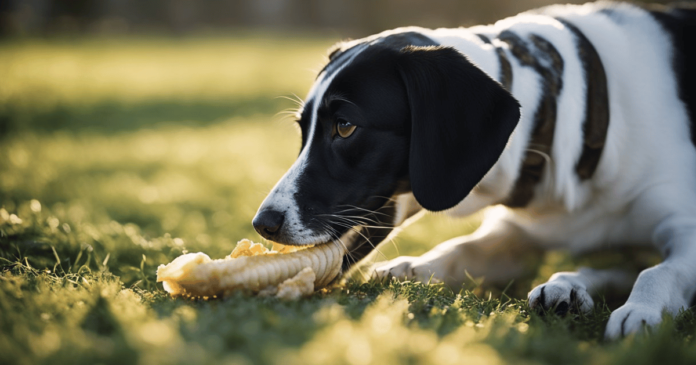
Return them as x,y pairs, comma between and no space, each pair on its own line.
247,248
297,286
287,271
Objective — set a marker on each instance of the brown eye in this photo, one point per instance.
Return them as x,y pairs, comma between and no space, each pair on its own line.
344,128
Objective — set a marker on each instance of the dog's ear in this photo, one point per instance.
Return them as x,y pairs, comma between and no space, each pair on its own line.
461,120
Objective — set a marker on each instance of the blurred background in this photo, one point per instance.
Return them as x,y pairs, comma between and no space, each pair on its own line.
140,126
132,131
344,18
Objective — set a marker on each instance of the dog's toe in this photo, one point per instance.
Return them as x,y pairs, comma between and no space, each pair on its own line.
630,318
400,268
407,268
561,297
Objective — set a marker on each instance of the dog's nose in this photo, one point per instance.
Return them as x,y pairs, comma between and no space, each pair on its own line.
268,223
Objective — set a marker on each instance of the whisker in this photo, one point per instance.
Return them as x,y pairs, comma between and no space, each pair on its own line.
336,238
352,219
288,112
360,219
295,112
297,100
359,224
388,198
355,230
350,224
351,227
351,207
546,156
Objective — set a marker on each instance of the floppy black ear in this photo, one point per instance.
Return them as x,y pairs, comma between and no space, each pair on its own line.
461,120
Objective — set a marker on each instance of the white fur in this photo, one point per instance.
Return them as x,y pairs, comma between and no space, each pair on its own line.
643,191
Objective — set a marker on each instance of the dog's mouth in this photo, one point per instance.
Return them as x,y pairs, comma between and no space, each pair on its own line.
358,230
328,238
284,247
324,237
316,238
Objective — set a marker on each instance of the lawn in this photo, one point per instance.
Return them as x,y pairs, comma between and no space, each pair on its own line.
120,154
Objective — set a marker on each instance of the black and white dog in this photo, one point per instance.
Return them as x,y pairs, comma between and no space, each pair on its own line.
574,122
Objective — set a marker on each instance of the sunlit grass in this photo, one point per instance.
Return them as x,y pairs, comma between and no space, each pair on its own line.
119,155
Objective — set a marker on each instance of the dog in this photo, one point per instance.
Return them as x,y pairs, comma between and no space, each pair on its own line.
574,124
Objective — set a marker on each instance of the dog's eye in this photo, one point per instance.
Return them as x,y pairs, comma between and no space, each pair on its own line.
344,128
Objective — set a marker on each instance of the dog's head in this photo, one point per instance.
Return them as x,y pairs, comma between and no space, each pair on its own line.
387,115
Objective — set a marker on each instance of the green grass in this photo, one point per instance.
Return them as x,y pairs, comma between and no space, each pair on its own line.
119,155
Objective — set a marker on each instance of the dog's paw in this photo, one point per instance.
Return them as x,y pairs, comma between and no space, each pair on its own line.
560,296
399,268
406,268
630,318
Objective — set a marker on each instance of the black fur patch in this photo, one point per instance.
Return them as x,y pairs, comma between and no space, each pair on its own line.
339,54
339,58
484,38
543,57
596,122
505,67
680,22
401,40
461,120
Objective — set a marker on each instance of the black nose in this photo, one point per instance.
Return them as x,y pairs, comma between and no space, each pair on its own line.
268,223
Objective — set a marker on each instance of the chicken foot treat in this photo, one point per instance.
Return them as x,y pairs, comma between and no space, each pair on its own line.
285,271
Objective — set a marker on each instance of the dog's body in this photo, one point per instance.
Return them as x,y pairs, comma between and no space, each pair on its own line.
601,155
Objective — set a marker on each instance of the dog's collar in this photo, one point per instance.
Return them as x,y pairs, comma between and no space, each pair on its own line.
542,56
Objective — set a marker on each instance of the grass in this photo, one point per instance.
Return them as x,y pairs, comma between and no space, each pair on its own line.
121,154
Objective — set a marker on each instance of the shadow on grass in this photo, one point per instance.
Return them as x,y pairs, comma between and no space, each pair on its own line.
113,116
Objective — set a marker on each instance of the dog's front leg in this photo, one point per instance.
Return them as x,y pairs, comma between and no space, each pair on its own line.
494,252
667,287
